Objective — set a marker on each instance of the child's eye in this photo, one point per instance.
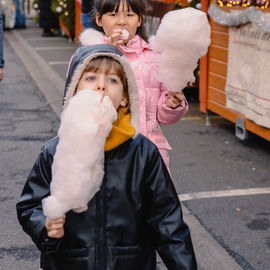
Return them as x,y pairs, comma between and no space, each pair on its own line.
112,80
130,14
90,78
113,14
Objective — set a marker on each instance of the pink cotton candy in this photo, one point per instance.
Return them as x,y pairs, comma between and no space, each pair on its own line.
78,165
182,38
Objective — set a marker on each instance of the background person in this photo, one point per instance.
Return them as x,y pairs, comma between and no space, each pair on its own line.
48,20
2,62
86,18
20,13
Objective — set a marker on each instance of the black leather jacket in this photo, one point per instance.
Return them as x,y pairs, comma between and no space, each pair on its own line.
135,213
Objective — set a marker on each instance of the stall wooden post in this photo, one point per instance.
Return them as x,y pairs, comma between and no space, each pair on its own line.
78,25
203,72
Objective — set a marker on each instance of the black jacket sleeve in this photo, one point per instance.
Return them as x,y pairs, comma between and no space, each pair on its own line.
165,220
29,207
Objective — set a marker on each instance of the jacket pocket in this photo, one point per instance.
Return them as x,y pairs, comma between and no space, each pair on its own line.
75,252
130,257
77,258
127,250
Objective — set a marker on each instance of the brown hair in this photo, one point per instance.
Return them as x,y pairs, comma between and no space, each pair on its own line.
106,64
105,6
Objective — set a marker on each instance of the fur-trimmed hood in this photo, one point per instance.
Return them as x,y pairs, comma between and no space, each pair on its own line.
81,59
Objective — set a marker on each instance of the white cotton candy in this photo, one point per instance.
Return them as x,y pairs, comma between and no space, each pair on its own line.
78,165
182,39
125,34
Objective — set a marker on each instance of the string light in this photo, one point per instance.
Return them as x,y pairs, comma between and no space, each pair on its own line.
260,4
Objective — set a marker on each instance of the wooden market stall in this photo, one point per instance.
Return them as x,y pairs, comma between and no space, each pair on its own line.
213,76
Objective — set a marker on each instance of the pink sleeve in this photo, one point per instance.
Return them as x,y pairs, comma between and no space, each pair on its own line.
167,115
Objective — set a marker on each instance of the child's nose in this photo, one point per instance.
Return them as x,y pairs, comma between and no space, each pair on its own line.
101,88
101,85
121,19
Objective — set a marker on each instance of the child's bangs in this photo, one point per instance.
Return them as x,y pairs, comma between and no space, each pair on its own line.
106,65
113,5
109,6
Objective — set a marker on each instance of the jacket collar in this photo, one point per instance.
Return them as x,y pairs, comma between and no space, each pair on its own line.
121,131
91,36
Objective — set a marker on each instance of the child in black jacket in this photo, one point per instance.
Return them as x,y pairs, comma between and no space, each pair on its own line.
109,209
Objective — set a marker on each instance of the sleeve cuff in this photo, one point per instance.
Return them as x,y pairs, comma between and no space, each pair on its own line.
182,104
50,245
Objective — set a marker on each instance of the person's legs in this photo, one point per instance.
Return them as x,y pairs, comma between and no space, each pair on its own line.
20,13
17,8
47,32
48,20
22,10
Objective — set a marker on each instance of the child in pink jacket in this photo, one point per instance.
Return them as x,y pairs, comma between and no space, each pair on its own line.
122,23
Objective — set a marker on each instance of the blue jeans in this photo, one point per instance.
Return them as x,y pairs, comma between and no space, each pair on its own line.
2,62
20,13
86,20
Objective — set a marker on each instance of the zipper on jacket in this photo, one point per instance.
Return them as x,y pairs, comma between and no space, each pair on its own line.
101,226
97,229
104,221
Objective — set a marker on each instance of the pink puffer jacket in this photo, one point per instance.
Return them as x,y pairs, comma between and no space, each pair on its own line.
153,95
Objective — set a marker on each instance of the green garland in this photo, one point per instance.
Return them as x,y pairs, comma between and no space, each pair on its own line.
188,3
35,6
66,11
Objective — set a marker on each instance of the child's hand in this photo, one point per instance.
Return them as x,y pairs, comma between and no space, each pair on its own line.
115,38
175,98
55,227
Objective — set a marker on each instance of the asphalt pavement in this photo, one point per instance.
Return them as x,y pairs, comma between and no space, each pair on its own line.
223,183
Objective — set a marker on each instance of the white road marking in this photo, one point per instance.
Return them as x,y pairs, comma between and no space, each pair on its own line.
54,48
191,118
199,117
45,38
223,193
34,30
58,63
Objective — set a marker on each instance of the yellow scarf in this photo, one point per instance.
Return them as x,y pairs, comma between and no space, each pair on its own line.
121,131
